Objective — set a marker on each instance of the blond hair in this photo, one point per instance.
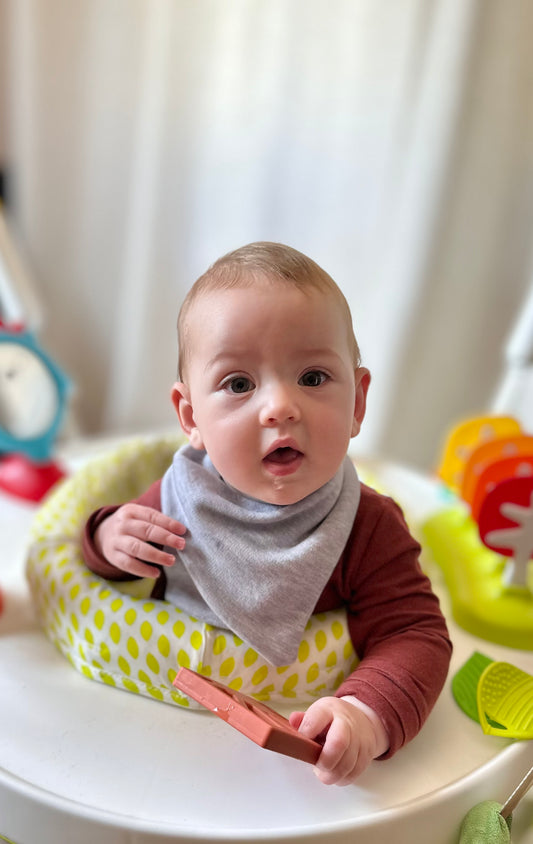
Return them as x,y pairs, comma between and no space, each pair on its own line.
256,263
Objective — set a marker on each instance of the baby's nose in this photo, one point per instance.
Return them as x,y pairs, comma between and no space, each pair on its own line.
280,405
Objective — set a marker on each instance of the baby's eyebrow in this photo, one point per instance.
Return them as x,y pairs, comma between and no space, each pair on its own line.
235,359
317,357
321,352
225,357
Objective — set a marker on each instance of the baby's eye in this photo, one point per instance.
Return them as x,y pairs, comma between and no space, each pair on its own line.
238,384
313,378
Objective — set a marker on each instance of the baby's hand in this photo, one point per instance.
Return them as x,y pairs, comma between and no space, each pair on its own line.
124,539
352,739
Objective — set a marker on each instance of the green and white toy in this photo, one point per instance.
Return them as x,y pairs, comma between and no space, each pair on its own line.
483,539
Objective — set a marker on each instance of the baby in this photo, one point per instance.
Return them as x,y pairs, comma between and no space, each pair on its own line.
261,520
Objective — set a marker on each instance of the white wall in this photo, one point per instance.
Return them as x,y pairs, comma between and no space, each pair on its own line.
392,142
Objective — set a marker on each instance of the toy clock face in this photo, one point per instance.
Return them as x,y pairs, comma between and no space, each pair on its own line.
32,393
28,393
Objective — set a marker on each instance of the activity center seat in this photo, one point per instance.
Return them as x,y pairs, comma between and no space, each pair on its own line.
155,773
135,643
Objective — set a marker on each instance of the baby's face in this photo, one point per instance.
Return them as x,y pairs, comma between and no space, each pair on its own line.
271,392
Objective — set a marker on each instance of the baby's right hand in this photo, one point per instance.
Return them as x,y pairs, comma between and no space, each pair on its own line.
125,538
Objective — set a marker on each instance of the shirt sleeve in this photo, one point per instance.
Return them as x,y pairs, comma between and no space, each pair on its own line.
395,622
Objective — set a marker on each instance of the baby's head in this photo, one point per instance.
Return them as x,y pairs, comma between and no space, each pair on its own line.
263,263
270,377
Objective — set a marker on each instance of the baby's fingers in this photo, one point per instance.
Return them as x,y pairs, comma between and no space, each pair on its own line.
295,719
315,721
348,738
134,550
131,565
151,526
339,755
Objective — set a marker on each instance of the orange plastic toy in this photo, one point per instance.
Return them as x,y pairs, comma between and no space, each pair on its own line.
468,436
509,467
488,453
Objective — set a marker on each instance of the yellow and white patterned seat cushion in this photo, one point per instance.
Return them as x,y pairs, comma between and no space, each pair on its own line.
116,634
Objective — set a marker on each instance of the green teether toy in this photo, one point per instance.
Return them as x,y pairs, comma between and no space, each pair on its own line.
465,683
497,695
505,701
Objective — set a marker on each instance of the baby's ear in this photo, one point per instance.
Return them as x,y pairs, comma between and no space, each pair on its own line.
181,399
362,383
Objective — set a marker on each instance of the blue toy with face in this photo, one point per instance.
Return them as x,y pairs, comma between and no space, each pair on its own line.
32,396
33,393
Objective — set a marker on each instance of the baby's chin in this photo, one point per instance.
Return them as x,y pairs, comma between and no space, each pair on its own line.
280,491
282,498
274,488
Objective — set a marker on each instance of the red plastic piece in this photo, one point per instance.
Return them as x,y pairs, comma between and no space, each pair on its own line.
21,477
256,721
492,516
489,452
15,327
519,466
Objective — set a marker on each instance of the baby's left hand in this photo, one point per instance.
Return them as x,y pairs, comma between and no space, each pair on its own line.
352,740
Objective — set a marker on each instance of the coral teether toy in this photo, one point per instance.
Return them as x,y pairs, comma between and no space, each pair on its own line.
258,722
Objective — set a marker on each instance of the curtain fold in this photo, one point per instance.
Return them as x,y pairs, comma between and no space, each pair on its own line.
390,141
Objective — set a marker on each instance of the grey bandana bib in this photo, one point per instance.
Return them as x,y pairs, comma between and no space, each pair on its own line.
254,568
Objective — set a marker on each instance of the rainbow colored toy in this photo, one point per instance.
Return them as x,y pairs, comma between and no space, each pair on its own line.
483,542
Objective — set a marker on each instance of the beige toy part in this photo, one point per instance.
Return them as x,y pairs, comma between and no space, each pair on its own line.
133,642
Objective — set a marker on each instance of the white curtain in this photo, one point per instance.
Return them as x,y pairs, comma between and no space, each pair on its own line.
391,140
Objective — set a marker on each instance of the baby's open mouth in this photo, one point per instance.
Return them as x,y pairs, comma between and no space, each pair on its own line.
283,455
